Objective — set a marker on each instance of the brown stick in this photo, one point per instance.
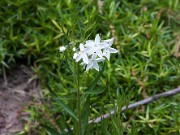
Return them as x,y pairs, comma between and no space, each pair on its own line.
139,103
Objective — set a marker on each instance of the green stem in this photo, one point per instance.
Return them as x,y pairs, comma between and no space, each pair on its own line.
78,106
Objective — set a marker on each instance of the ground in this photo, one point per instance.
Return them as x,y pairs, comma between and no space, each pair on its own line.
17,89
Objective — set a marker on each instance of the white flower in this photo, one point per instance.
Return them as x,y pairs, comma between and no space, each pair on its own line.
108,49
94,51
74,49
95,46
93,62
62,48
82,54
75,55
108,42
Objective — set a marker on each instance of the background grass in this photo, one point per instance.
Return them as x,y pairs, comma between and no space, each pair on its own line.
146,34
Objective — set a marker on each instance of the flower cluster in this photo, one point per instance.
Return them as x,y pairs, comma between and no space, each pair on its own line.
94,51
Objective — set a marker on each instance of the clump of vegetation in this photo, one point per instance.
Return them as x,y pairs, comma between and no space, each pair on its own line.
146,34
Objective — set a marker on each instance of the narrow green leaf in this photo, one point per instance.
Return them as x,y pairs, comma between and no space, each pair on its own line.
69,64
95,92
64,106
50,90
86,115
91,87
4,64
67,109
51,130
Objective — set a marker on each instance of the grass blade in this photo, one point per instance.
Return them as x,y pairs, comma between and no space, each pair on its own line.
64,106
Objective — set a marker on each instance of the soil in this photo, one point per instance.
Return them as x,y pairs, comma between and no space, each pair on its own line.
17,88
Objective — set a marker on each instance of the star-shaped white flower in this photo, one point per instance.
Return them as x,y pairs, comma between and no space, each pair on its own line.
108,49
94,51
82,54
95,46
93,62
108,42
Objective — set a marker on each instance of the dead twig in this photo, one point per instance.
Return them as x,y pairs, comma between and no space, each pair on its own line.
139,103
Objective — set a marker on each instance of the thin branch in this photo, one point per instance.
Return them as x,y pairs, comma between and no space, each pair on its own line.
139,103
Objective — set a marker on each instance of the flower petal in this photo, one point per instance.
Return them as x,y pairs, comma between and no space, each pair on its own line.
112,50
74,49
109,42
78,58
107,55
100,59
89,66
85,58
81,46
95,66
99,53
93,56
89,43
97,39
75,55
91,50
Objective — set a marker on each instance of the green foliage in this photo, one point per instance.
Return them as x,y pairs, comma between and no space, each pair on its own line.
146,34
